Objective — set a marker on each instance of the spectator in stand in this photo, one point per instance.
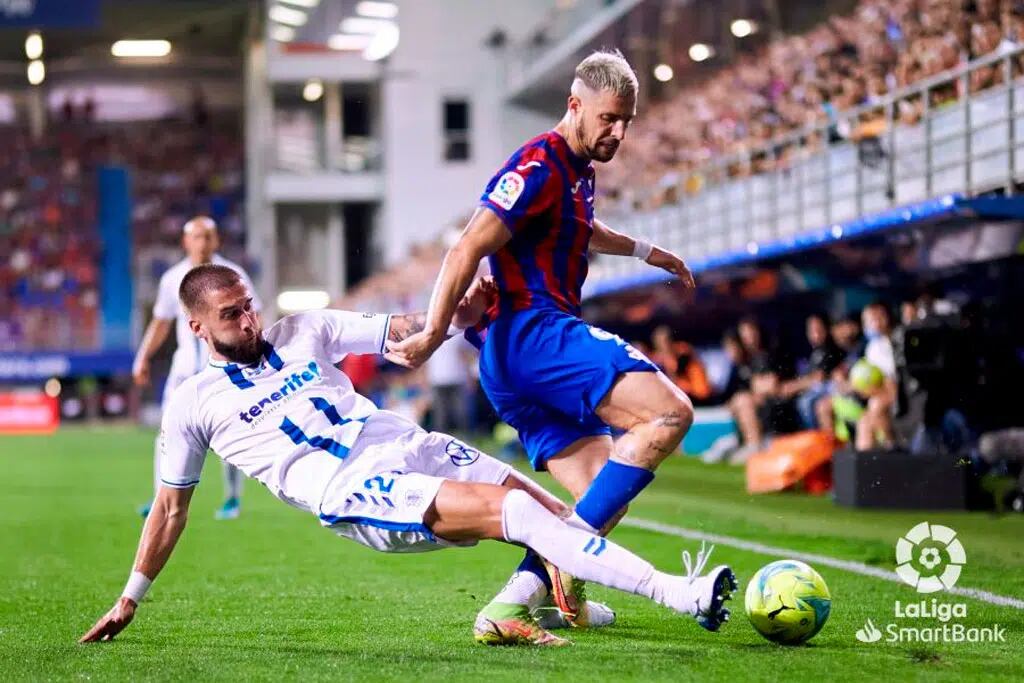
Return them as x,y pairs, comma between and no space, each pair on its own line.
816,382
759,403
680,362
737,397
846,334
773,369
800,80
874,429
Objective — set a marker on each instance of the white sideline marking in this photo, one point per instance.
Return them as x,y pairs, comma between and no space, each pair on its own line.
811,558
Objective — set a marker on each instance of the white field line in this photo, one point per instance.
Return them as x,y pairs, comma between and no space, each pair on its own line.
810,558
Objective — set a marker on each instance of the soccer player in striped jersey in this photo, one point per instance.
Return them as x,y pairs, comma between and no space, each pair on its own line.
564,384
275,406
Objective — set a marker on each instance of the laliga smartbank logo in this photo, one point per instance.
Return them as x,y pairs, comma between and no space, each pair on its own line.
930,558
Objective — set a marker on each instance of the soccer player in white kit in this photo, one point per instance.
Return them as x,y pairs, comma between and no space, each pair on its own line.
200,242
275,405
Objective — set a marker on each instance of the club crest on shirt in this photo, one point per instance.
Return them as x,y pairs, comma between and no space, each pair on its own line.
461,454
507,190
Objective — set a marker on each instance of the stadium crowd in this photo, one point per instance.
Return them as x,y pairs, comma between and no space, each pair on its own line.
801,80
49,241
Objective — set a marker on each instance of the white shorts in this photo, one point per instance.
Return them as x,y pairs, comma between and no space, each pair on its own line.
391,478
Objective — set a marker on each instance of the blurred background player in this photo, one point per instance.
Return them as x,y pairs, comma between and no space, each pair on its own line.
200,242
561,383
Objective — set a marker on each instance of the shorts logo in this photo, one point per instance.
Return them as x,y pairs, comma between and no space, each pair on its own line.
413,498
461,454
507,190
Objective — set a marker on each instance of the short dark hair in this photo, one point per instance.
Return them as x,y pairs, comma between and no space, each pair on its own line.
203,279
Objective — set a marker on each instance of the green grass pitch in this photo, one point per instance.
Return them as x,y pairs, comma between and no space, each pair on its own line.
273,596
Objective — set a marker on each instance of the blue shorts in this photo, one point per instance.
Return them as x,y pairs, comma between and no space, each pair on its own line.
545,372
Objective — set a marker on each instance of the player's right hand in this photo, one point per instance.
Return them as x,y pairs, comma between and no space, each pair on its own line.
140,373
112,623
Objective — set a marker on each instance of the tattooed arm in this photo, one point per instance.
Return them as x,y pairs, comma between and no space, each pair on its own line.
481,295
405,325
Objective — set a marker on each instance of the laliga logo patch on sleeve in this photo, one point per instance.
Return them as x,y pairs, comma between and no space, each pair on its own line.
507,190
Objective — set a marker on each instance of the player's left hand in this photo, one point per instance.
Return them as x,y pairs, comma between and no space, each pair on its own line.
112,623
668,261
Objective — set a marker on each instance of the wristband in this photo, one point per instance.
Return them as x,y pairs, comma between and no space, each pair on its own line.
642,249
454,331
138,584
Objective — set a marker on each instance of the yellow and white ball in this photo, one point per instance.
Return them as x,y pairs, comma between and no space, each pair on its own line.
788,602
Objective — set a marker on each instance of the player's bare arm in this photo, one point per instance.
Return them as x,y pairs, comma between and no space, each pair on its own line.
156,334
473,305
163,528
483,236
608,241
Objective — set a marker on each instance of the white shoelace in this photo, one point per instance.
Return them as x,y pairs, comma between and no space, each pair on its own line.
695,567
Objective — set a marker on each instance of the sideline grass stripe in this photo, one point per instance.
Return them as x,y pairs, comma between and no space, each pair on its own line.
811,558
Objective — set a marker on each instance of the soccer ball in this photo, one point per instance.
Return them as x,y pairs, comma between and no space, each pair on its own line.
787,602
865,378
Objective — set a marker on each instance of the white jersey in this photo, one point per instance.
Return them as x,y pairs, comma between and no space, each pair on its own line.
288,421
190,356
879,352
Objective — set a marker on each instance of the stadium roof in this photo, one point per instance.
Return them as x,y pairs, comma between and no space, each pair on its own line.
204,34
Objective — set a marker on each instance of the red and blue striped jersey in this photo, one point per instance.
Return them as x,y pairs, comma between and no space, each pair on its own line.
545,196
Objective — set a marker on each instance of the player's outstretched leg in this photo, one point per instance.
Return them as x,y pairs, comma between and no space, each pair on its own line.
517,615
529,589
469,511
655,416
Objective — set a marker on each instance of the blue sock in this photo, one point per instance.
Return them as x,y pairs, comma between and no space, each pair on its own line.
531,563
612,489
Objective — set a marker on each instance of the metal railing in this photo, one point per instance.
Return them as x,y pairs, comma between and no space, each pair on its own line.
961,142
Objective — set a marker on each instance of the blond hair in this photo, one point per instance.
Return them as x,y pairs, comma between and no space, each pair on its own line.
608,70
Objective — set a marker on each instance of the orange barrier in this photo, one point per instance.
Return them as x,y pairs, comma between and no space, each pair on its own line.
28,413
805,457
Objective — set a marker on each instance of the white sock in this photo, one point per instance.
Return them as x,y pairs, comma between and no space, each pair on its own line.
232,481
583,554
580,523
523,588
672,591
